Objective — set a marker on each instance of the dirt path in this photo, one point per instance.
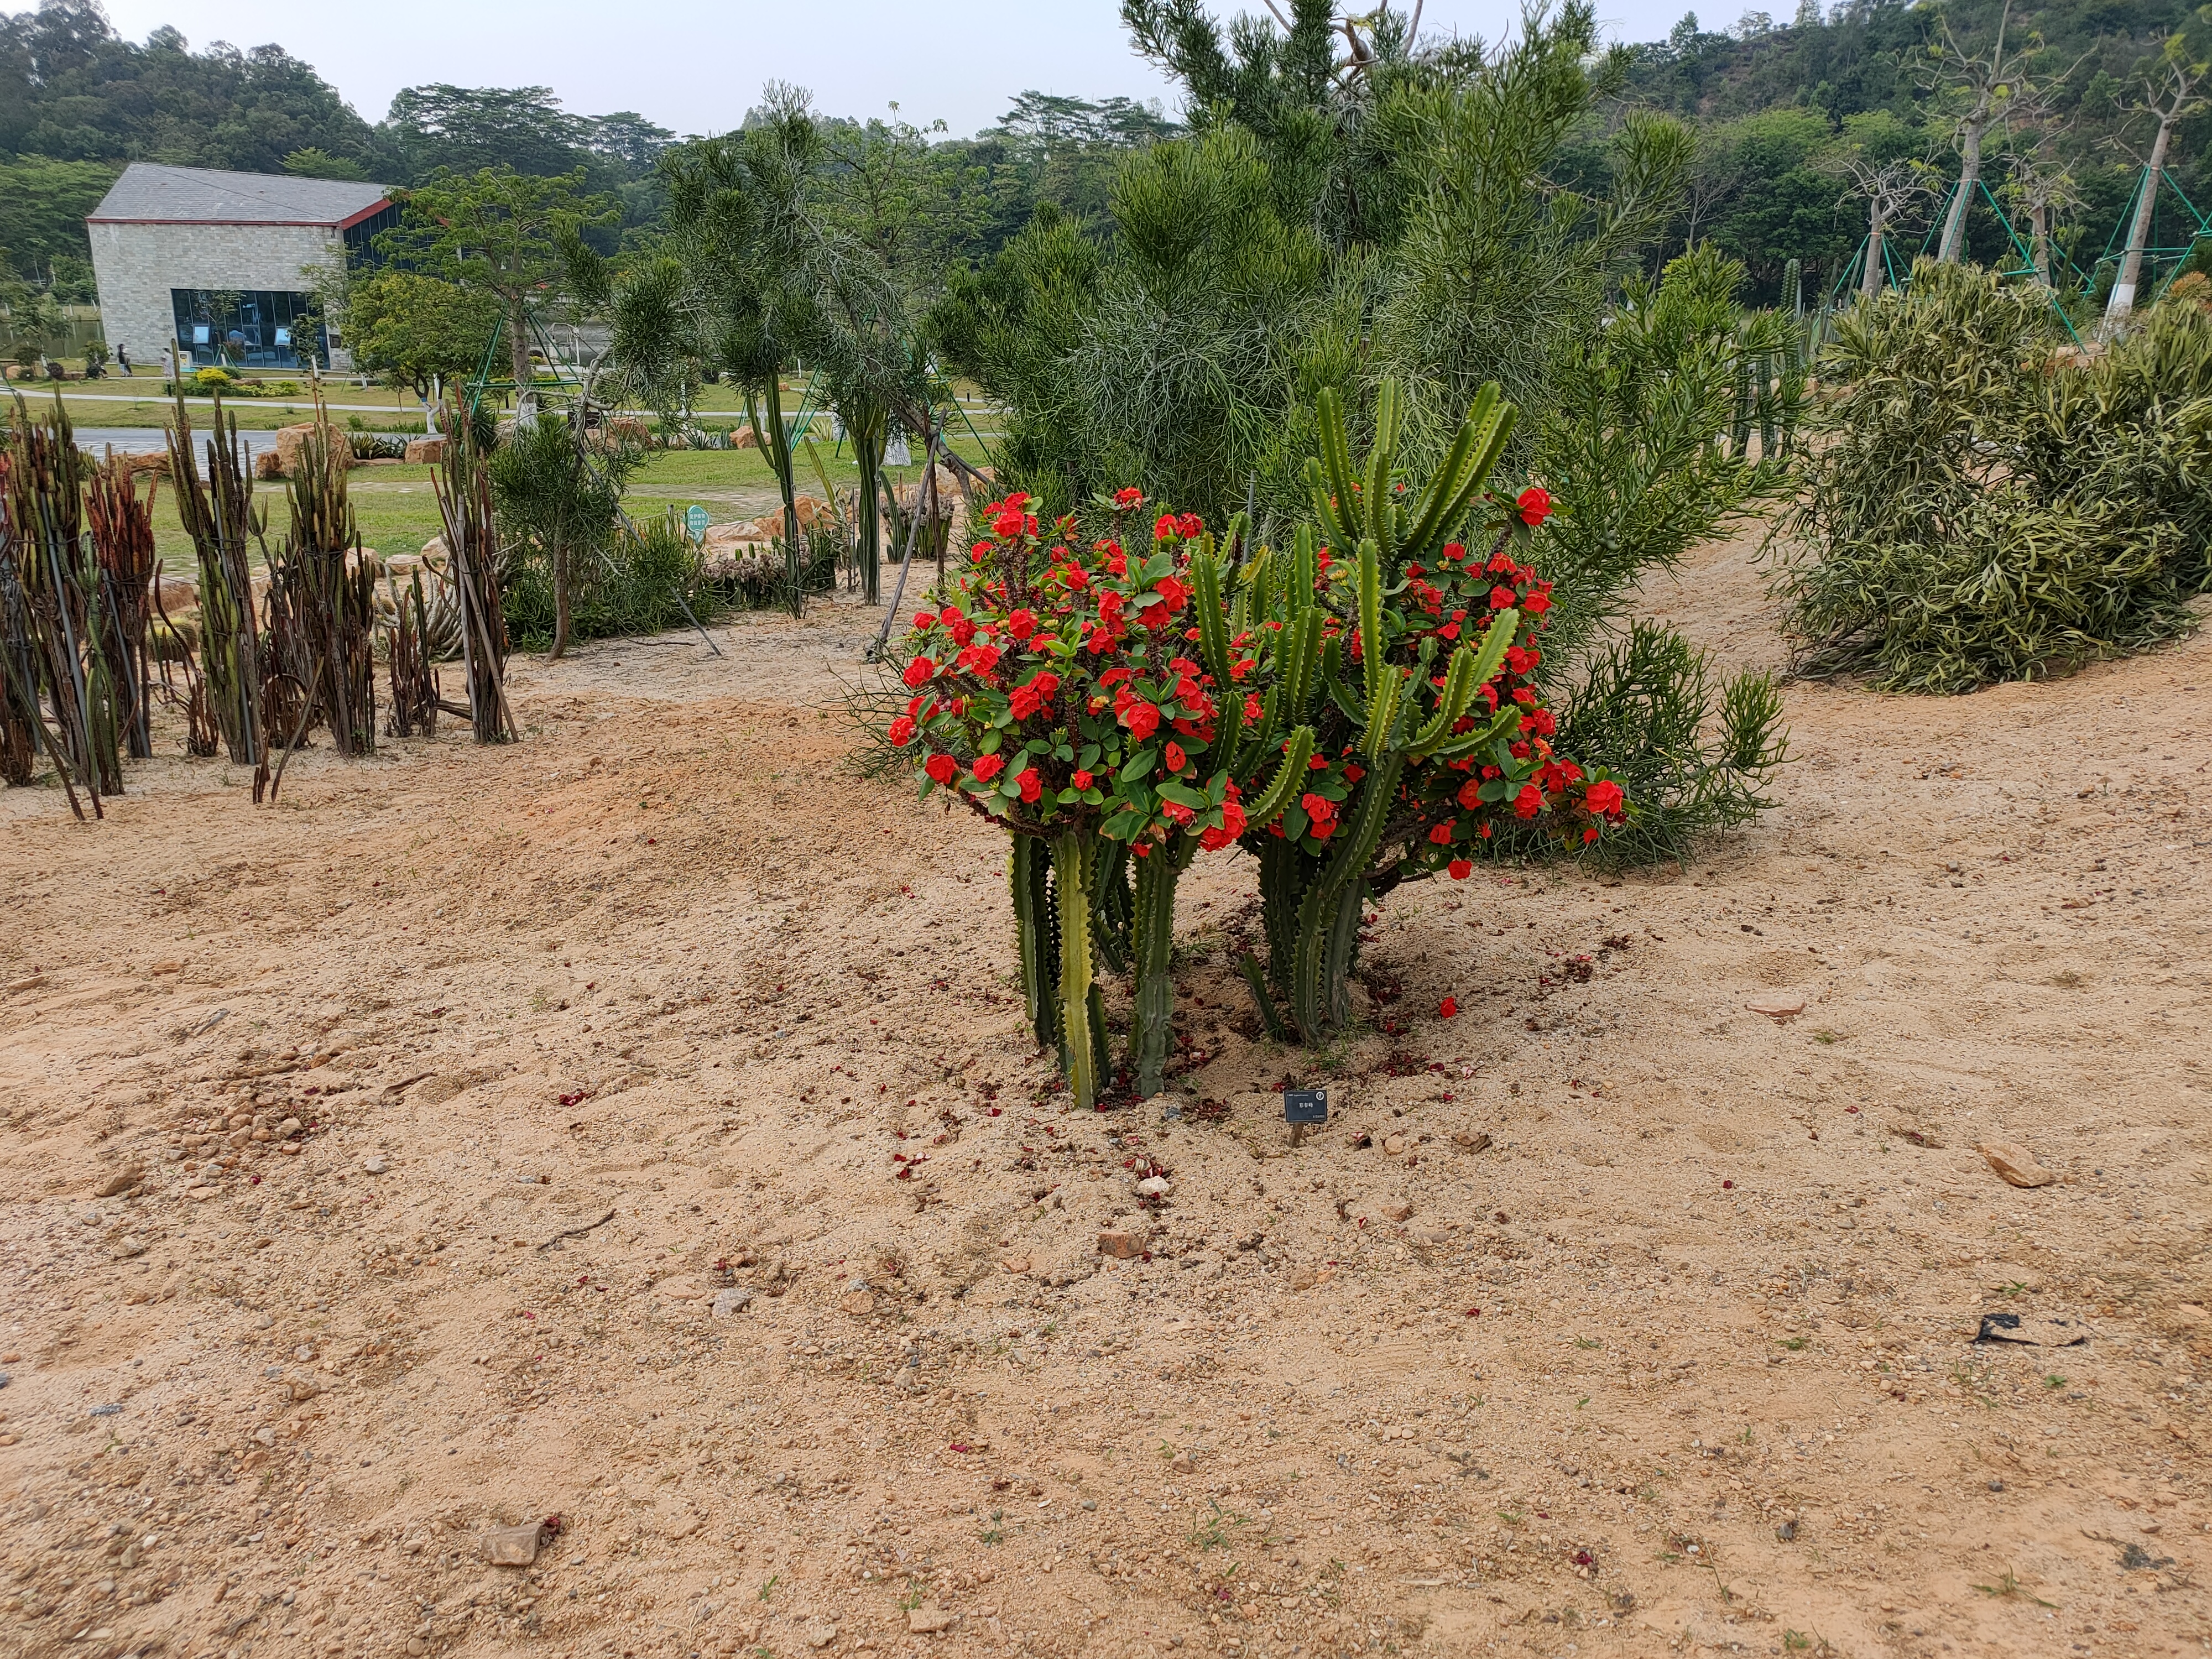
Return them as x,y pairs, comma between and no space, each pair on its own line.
663,1000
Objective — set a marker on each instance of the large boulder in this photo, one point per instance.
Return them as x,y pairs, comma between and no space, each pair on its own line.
291,440
425,452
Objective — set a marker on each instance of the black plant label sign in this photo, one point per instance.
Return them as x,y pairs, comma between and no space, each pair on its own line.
1305,1105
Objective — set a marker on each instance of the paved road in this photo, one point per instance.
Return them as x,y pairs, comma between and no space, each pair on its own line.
152,395
153,440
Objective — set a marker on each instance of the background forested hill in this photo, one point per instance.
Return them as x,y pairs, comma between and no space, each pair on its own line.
77,102
1780,108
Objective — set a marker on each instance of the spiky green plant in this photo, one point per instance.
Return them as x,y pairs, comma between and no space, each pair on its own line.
1160,868
1400,712
322,598
64,598
463,484
219,515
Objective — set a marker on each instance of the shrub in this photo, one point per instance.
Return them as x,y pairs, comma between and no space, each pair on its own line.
1694,752
1090,704
759,579
1979,504
633,587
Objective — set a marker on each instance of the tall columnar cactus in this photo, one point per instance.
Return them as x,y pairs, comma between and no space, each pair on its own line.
1159,871
64,596
219,515
1061,998
1388,734
1401,708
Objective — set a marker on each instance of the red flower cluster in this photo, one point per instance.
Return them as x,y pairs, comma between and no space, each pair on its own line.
1053,690
1462,798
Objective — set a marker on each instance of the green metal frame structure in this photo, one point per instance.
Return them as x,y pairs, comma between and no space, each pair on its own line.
2169,258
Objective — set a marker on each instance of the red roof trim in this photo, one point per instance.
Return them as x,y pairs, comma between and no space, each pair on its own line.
368,212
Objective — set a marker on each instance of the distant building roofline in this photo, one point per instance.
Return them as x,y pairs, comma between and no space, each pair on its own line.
152,193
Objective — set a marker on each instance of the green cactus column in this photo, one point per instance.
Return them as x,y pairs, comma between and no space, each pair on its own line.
1036,935
1151,1027
1329,916
1111,907
1282,871
1082,1025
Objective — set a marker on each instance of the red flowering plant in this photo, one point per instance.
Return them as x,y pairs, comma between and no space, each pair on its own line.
1428,725
1516,774
1064,694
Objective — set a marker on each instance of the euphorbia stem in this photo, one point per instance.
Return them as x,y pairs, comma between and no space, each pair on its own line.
1329,916
1036,935
1110,906
1074,858
1282,872
1329,932
1151,1025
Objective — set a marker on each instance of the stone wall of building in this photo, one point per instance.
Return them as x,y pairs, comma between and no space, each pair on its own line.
136,265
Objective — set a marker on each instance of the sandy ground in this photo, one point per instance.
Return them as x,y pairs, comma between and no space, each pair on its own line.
663,1000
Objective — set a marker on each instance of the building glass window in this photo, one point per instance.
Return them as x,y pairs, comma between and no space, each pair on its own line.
360,239
247,328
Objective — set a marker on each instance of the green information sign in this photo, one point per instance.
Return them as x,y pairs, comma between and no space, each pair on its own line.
694,521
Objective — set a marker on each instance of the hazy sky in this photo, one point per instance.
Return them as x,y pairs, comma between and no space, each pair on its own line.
696,66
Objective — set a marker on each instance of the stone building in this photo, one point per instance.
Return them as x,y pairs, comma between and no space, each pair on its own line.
212,265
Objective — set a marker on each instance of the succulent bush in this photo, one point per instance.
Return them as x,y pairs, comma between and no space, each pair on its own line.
1413,660
1055,692
1978,504
1354,720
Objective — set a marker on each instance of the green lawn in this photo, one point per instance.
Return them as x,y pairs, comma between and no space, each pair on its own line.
378,408
397,512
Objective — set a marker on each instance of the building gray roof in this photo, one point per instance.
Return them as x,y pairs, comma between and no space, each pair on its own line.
150,193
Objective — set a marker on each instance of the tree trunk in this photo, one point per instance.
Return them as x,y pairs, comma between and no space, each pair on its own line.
1970,175
517,352
2123,302
867,436
1870,278
2038,242
560,599
777,442
928,505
